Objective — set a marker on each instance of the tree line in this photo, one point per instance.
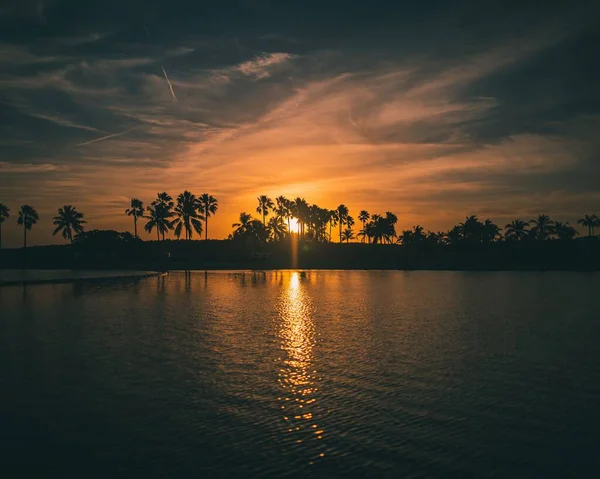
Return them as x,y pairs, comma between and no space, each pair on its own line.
189,214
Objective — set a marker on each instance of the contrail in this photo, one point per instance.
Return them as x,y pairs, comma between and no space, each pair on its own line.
170,86
105,137
163,69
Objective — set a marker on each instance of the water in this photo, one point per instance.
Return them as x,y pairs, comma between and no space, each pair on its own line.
327,374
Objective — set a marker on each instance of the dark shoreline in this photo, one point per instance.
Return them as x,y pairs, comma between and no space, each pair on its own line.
160,256
62,280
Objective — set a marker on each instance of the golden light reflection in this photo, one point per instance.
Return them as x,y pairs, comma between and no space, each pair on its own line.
297,377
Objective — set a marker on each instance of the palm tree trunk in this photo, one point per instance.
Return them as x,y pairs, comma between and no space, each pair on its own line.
0,235
264,224
206,227
157,234
24,237
340,230
135,226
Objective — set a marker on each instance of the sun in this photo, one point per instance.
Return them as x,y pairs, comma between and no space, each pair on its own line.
294,226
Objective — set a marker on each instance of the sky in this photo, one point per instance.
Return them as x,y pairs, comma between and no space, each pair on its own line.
432,110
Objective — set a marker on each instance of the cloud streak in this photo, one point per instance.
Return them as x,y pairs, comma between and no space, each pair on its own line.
107,137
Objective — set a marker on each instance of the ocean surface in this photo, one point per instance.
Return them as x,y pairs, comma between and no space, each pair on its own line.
303,374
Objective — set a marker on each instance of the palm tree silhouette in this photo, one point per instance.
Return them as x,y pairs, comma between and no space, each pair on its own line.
242,226
363,217
158,217
564,231
391,219
301,211
277,228
542,227
347,235
341,216
283,209
164,199
516,230
27,217
489,231
4,215
265,204
137,211
590,222
350,224
208,207
68,220
332,222
472,229
416,235
161,211
187,216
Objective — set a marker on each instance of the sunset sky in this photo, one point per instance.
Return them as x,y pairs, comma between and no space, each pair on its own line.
432,110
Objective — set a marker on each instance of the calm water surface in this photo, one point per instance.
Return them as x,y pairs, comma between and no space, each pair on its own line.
330,374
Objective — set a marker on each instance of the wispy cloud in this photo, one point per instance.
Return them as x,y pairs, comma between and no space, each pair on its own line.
263,65
6,167
107,137
63,122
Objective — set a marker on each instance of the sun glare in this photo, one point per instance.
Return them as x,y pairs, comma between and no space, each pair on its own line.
294,226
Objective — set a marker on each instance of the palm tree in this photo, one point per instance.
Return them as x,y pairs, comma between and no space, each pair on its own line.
455,235
363,217
27,217
208,207
187,215
435,238
489,231
164,199
472,229
564,231
265,204
161,211
158,217
277,228
416,235
242,226
347,235
542,227
516,230
332,222
391,219
590,222
302,213
283,209
381,228
68,220
407,237
137,211
4,215
341,216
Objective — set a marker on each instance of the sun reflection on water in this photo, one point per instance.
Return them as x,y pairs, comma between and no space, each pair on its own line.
297,377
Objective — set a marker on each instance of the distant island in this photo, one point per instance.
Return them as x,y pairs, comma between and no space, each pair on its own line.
301,235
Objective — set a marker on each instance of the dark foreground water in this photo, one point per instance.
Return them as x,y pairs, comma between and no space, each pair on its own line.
330,374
